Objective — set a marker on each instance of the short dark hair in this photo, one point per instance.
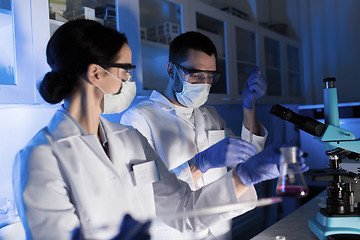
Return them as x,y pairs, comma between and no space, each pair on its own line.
71,49
181,44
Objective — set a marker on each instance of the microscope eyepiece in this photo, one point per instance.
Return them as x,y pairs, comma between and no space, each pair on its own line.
330,82
304,123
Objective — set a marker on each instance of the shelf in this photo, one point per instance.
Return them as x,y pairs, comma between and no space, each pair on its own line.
54,25
5,11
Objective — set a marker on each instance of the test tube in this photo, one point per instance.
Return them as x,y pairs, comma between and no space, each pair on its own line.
252,120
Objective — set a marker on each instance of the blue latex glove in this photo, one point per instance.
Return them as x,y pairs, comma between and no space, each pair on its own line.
263,166
301,159
133,230
227,152
130,230
256,84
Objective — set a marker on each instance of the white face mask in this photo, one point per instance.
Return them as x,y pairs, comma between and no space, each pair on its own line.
193,95
116,103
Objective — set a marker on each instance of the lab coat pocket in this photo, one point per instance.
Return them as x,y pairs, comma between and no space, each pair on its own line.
215,136
144,175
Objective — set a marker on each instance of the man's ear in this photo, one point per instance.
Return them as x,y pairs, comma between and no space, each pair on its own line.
170,69
93,74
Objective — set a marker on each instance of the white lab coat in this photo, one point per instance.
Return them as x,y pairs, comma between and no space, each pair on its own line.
63,180
177,140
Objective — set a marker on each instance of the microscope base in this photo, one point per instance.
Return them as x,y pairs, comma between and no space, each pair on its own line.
323,226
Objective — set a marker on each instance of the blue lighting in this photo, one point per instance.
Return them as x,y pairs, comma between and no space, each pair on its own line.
6,48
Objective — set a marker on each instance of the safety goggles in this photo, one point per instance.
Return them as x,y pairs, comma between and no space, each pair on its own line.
195,76
124,69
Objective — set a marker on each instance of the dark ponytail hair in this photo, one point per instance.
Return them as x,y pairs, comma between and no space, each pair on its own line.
71,49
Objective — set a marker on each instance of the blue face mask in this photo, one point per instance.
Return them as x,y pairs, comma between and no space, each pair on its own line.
192,95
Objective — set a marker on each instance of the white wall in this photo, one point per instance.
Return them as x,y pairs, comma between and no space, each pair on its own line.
19,123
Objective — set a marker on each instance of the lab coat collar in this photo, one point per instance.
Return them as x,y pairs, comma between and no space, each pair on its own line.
164,102
112,128
62,126
161,100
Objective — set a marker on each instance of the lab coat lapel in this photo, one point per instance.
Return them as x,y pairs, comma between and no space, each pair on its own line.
117,150
165,104
63,129
176,130
202,141
93,143
123,160
200,132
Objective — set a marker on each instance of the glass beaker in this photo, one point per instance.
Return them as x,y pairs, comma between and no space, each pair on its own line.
291,182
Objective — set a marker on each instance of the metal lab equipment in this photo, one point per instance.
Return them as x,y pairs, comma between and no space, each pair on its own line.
340,219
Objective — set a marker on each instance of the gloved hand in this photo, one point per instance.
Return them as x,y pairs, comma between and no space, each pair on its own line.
227,152
130,230
133,230
256,84
263,166
301,159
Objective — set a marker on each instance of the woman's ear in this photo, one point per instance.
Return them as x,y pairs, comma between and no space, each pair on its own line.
93,74
170,69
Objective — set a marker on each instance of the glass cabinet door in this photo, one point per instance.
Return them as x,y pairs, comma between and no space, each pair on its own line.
7,48
293,65
160,23
273,67
246,55
215,30
61,11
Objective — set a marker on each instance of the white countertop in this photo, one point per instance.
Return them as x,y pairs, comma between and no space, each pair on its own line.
295,225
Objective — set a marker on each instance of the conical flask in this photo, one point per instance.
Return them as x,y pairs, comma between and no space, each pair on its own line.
291,182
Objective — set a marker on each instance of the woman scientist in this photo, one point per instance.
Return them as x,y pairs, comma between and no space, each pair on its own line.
82,171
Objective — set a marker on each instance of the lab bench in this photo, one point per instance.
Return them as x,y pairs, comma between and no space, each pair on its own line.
295,225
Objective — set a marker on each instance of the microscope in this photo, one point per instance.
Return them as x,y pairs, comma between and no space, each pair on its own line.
340,219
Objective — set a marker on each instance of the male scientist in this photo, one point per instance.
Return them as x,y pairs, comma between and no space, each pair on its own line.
178,126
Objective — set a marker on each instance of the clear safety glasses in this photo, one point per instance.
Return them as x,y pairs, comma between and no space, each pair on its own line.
195,76
124,70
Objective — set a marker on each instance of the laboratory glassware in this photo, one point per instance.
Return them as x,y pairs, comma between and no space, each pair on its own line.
291,182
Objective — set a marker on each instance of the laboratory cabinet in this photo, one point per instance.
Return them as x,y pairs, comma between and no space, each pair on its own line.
212,22
241,46
19,65
278,58
150,25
